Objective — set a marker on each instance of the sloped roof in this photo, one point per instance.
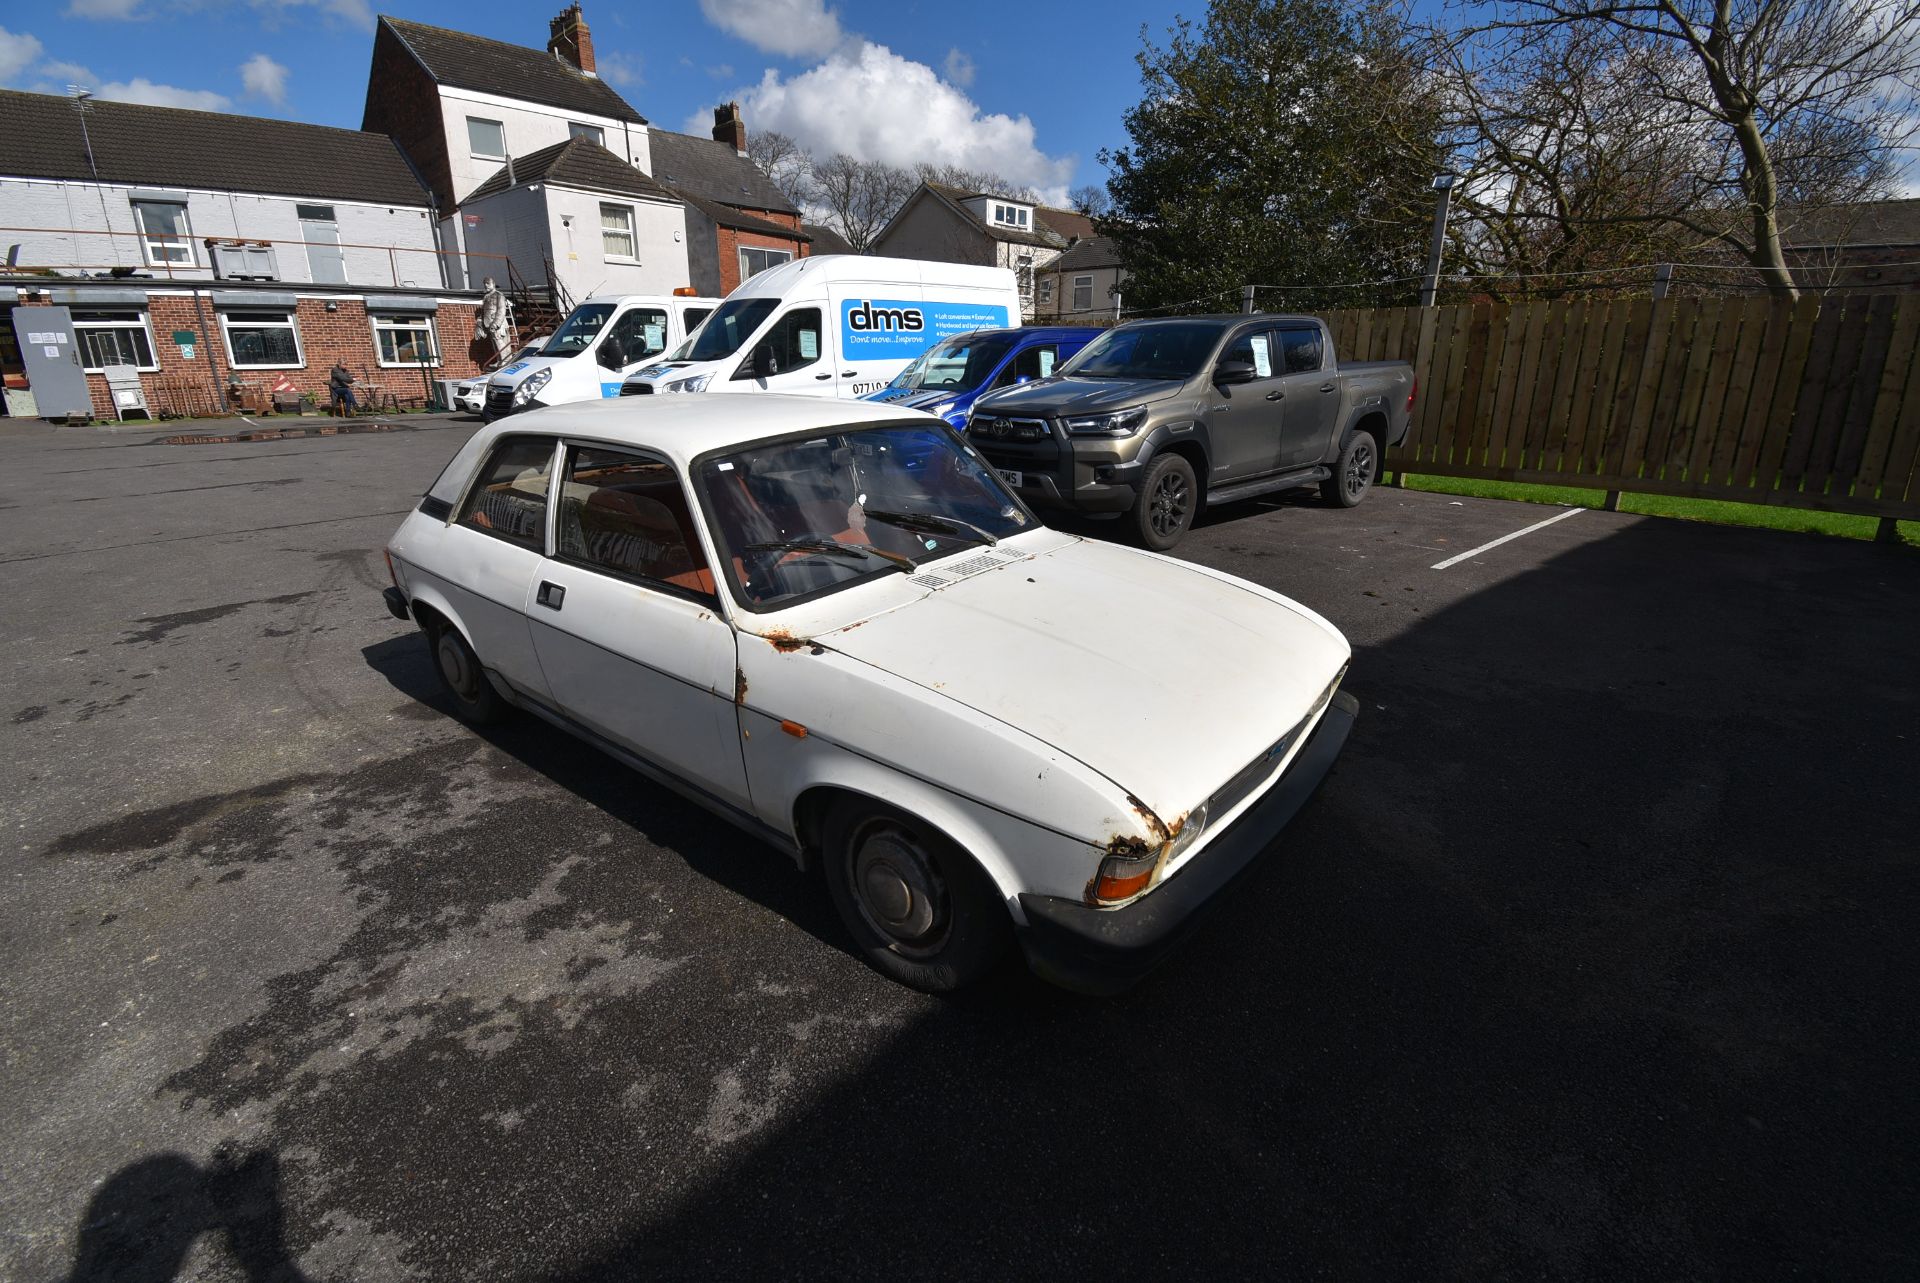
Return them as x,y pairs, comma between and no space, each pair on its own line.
713,171
1875,222
1095,251
512,71
169,147
577,162
739,220
1067,224
955,198
826,240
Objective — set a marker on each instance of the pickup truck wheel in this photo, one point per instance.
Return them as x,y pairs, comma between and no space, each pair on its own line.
1355,473
1166,503
919,909
475,701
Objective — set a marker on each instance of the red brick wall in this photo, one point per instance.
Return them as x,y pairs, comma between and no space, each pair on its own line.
403,101
345,336
731,240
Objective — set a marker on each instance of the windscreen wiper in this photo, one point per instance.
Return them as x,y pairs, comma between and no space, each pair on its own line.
934,524
834,548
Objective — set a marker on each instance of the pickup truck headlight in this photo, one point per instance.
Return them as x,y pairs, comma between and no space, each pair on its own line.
532,384
698,383
1121,423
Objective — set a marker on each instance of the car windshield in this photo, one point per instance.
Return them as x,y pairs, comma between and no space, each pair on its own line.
579,332
957,364
805,516
731,324
1147,350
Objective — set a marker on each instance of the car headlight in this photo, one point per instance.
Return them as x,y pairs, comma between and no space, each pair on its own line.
698,383
532,384
1121,423
1128,872
942,410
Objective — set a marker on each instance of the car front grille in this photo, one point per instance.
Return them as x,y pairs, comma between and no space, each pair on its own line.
637,389
995,428
499,401
1256,772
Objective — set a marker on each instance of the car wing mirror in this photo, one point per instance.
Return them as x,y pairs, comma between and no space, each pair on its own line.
762,362
612,355
1228,373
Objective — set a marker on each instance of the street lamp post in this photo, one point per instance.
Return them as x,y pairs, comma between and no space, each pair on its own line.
1443,184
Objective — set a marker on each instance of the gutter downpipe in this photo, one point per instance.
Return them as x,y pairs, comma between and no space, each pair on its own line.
213,375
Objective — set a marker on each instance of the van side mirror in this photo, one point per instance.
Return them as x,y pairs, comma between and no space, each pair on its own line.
612,354
1228,373
762,362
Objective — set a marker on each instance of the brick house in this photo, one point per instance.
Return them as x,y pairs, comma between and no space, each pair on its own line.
950,225
1082,284
738,222
197,246
1860,248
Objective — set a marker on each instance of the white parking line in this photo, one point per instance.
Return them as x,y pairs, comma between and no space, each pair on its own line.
1475,552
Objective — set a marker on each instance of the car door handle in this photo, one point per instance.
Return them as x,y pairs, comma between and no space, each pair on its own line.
827,375
847,374
550,595
1328,387
1276,396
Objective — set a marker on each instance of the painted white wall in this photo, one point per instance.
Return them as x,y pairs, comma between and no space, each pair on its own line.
70,217
529,127
513,223
660,242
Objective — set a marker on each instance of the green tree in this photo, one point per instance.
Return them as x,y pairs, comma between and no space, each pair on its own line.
1278,142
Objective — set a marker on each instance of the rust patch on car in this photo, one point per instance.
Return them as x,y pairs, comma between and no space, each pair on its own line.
739,686
783,641
1128,846
1152,821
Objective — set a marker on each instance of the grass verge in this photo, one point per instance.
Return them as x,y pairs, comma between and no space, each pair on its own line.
1716,511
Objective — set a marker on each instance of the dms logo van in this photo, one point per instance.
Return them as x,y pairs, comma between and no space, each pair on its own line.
884,329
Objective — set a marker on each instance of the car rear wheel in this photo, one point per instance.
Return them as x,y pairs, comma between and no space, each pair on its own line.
920,911
1355,472
475,701
1167,501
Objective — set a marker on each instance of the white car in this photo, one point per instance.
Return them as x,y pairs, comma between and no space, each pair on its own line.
831,624
471,394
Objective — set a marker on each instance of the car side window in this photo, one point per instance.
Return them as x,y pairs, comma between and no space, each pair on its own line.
1303,350
793,342
640,332
509,498
626,515
1035,363
1255,348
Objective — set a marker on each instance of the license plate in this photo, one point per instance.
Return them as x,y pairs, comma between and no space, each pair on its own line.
1014,479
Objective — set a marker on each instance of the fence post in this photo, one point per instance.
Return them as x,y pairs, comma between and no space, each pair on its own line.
1246,298
1887,531
1662,280
1613,501
1116,307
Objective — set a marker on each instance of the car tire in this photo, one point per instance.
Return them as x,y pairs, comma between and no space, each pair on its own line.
1354,473
1164,508
475,701
920,910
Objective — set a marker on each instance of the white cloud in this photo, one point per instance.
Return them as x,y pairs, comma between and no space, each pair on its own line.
796,28
354,13
109,9
722,72
623,69
264,78
17,53
68,73
142,90
959,68
873,104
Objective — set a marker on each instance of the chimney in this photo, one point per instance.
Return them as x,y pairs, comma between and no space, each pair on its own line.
729,128
569,40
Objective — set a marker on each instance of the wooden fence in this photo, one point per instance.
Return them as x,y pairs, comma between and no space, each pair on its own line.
1810,404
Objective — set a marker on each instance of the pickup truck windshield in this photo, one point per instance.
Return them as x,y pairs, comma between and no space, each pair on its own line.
731,324
953,365
1149,350
581,329
807,516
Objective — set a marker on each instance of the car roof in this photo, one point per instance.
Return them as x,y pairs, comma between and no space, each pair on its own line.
1225,318
684,426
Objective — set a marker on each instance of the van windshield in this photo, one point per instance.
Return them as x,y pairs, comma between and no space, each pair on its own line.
954,365
731,325
580,330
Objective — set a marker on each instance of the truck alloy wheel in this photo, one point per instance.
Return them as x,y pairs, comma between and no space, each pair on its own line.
1168,497
1353,473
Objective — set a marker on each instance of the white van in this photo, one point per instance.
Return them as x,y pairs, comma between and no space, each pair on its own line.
602,341
833,325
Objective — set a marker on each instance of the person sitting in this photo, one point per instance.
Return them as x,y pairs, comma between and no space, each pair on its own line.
340,390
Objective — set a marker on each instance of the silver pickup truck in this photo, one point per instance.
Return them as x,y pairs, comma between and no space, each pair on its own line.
1155,418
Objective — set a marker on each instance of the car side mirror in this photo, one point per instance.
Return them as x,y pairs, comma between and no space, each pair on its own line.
762,360
1228,373
612,354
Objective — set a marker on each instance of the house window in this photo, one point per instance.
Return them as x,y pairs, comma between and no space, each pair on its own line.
1024,274
163,231
616,231
486,139
1046,289
262,340
592,133
114,338
1083,293
754,260
405,339
1010,215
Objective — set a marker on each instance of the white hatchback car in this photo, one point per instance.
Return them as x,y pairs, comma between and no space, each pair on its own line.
830,623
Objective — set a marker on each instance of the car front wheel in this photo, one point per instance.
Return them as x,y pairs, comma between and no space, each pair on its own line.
1168,499
920,911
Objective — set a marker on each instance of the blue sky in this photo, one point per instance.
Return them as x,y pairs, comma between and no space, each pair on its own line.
1032,92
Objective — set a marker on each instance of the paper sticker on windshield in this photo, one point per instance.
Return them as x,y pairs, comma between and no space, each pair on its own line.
1262,363
809,345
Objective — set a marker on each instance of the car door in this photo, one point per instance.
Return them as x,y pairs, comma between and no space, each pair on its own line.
491,552
628,627
637,336
1026,365
1246,420
1312,395
791,356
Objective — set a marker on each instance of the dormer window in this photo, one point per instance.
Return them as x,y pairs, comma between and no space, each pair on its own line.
1011,215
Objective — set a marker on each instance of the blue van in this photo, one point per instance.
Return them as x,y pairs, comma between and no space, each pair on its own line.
947,377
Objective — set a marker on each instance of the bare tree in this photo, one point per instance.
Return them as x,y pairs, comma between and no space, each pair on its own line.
1091,200
858,197
1759,104
976,180
784,161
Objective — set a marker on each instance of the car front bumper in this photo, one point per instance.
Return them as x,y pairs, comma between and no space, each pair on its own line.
1104,951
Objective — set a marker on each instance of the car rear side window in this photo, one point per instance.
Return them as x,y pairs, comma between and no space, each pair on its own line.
509,500
1302,348
626,515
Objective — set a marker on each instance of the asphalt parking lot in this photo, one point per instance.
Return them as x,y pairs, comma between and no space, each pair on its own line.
1596,956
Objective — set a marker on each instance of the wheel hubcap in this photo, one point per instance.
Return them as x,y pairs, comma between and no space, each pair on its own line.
900,893
1359,470
454,666
1169,510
